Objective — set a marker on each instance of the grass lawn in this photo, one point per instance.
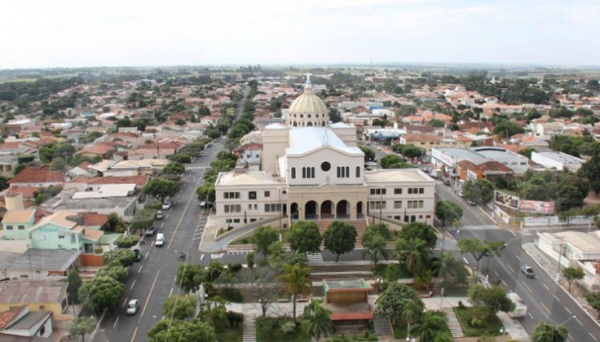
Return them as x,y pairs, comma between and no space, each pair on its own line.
231,334
276,335
456,292
392,272
490,326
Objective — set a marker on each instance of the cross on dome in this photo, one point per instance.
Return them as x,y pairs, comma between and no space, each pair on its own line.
308,82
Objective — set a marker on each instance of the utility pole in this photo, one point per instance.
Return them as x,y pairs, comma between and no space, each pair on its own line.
560,252
380,204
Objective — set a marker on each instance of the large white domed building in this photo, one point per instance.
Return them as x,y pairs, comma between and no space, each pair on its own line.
314,170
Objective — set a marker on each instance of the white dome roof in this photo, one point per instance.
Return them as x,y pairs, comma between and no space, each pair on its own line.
308,103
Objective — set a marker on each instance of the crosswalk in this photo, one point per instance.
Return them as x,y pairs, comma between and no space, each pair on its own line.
452,229
196,167
314,257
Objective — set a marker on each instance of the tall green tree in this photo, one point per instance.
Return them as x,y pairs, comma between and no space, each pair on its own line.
82,326
571,274
475,247
419,230
161,188
182,331
490,300
316,320
339,238
75,284
493,248
126,241
431,325
545,332
451,270
126,257
180,307
480,191
414,253
101,293
304,237
395,299
448,211
296,282
376,248
369,154
263,237
115,271
190,276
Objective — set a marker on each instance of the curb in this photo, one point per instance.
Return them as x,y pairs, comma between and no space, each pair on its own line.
565,291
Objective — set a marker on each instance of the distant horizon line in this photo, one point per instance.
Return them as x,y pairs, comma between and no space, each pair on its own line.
307,65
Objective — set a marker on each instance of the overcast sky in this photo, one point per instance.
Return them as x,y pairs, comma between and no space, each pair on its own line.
80,33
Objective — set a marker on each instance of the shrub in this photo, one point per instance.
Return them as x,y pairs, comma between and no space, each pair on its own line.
288,327
235,319
461,305
98,250
235,268
126,241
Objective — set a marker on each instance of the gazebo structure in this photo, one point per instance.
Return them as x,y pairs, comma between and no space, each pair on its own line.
348,301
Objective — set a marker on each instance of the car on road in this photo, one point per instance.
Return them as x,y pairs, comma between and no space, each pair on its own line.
471,202
528,271
160,240
132,307
138,255
167,205
204,204
460,194
447,182
150,231
159,215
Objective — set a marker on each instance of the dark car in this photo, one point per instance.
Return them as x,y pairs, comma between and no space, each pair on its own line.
528,271
138,254
150,231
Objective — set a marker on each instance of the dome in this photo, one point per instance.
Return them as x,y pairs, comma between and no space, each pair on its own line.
308,109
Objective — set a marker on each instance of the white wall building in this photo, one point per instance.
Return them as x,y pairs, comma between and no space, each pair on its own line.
557,160
314,171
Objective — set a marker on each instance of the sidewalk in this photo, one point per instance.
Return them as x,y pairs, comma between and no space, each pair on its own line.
551,267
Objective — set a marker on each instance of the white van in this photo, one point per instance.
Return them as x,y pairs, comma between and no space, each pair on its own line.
160,239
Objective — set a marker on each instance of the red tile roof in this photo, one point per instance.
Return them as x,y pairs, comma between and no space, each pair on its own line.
26,191
41,174
83,165
94,219
7,316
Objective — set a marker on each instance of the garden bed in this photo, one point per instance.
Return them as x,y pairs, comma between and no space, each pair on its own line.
269,330
490,326
231,334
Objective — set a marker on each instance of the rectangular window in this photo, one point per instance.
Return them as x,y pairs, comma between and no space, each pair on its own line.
236,220
267,194
377,205
420,204
73,238
21,227
398,191
252,195
421,190
397,204
410,191
9,227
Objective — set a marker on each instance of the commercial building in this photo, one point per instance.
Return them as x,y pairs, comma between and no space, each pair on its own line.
311,170
448,158
557,160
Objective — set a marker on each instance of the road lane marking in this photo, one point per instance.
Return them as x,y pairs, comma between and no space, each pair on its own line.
115,325
131,288
518,257
171,292
162,225
529,313
570,313
558,300
503,282
571,337
593,336
184,211
545,308
497,275
511,269
124,303
140,270
547,288
148,299
465,259
527,287
152,244
134,333
578,321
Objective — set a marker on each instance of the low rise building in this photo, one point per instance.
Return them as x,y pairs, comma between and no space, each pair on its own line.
557,160
447,159
39,296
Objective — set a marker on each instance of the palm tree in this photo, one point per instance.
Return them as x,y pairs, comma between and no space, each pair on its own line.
410,314
376,249
431,325
317,320
415,254
545,332
295,279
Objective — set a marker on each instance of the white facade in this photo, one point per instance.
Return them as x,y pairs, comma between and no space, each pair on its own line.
317,173
557,160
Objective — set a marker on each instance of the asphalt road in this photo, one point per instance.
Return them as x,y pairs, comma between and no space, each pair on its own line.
546,301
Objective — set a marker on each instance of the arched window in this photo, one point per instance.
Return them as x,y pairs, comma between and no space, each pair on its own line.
358,172
347,172
312,172
303,172
293,170
295,124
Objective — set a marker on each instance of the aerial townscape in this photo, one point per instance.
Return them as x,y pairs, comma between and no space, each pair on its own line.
299,192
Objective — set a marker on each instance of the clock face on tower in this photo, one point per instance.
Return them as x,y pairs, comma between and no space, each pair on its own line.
325,166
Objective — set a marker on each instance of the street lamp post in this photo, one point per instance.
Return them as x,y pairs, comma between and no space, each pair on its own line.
492,253
563,323
560,252
380,204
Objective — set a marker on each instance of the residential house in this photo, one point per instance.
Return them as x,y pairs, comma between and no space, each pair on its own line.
21,324
80,170
37,295
249,154
488,170
42,263
105,199
102,150
27,194
17,125
154,151
38,176
429,141
123,168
